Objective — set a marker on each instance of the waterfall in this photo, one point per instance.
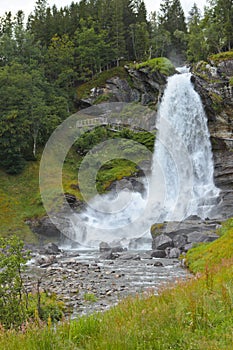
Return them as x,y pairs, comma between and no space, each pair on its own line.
181,181
182,164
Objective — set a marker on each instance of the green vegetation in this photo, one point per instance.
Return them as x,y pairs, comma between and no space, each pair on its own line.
90,297
210,255
20,198
156,229
53,61
195,315
16,305
120,158
222,56
161,64
231,81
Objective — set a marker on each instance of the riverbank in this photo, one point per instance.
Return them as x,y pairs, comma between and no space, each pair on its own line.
194,315
90,281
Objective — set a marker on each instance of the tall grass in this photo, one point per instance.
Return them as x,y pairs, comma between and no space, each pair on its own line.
192,315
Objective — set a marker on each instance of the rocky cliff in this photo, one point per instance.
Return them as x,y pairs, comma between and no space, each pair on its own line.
214,82
143,84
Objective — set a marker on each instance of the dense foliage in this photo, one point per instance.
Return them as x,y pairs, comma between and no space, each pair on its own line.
45,57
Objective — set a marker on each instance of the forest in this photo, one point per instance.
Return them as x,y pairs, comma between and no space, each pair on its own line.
45,57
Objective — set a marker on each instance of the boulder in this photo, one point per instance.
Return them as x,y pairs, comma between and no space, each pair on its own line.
162,242
180,241
45,261
51,249
173,253
160,254
104,247
129,256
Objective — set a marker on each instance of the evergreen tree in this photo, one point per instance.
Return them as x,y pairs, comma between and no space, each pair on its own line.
219,25
117,37
172,20
197,47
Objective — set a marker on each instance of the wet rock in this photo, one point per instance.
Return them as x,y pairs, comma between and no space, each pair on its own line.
198,237
51,248
109,256
173,253
45,227
158,254
180,241
104,247
129,256
71,199
162,242
45,261
158,264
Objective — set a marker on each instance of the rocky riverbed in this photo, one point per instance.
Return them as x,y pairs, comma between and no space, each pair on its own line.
89,281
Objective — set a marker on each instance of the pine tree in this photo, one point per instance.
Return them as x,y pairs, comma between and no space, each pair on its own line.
197,48
172,20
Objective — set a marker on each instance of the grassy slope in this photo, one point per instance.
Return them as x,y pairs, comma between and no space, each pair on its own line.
197,314
20,199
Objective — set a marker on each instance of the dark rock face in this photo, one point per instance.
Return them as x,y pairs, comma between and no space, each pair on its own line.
44,227
212,82
145,87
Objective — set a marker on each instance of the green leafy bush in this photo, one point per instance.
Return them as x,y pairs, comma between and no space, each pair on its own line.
12,292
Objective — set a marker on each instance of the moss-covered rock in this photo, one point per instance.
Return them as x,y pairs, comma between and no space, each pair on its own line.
157,229
160,64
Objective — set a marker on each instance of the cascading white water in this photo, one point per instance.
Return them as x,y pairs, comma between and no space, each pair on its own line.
181,183
183,153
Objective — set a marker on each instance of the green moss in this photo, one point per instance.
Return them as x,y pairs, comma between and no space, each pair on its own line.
102,98
231,81
160,64
99,80
217,101
156,229
223,56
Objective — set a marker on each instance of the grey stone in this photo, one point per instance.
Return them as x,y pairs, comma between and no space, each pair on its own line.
198,237
158,254
51,248
174,253
162,242
179,241
104,247
129,256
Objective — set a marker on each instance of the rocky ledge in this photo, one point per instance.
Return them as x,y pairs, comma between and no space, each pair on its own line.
171,239
143,85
